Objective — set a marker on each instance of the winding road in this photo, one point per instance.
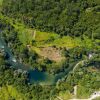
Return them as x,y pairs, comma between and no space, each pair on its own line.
83,62
92,97
78,64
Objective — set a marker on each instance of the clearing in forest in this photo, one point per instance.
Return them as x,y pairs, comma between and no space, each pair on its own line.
51,53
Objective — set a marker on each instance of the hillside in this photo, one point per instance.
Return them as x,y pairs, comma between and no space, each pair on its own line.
65,17
49,47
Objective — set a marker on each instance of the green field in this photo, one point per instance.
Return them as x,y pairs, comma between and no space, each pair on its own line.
45,39
1,2
9,93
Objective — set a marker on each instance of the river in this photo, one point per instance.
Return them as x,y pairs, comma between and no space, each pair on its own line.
35,76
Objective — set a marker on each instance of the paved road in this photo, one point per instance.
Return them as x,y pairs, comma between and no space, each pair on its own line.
79,63
92,97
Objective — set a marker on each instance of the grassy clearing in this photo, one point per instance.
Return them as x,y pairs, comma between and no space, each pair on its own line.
65,95
83,92
8,92
1,2
44,36
44,39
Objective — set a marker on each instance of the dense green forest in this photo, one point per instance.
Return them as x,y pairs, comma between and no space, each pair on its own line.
65,17
54,37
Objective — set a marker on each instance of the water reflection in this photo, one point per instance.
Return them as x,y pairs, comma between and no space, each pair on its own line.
35,76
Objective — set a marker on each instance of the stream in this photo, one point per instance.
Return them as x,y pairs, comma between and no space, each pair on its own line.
35,76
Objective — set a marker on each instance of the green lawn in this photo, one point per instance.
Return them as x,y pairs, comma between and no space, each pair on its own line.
8,92
45,39
1,2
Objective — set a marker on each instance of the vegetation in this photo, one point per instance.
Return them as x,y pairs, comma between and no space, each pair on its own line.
51,37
